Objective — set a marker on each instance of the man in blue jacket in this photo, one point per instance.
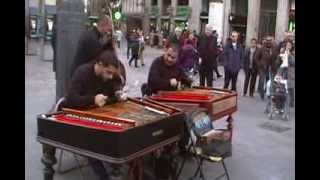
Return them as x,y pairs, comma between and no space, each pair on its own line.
233,57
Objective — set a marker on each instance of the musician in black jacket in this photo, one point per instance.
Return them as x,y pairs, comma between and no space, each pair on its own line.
164,73
95,84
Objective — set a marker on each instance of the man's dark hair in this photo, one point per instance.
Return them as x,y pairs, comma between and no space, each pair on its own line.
108,58
169,44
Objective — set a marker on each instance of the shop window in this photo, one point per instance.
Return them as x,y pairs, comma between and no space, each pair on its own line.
183,2
154,2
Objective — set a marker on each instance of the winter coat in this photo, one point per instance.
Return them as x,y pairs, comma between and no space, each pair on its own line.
266,58
188,56
246,61
233,59
208,51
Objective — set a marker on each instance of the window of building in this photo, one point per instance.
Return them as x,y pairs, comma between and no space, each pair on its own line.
154,2
166,2
268,15
183,2
165,5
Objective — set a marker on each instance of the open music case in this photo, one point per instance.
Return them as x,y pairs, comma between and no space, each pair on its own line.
113,143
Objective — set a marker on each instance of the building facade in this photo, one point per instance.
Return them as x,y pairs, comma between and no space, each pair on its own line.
134,14
258,18
252,18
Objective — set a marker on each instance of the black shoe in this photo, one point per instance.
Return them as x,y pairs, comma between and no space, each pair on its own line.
244,94
142,64
219,76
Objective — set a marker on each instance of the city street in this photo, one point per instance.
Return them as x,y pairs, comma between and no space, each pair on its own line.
263,149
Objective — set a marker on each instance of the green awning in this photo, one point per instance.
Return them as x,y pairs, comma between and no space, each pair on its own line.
183,11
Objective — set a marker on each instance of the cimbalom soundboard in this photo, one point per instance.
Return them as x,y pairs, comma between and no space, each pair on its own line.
118,132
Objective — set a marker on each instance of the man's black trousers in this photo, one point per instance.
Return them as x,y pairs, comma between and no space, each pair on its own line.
135,58
230,76
206,74
251,76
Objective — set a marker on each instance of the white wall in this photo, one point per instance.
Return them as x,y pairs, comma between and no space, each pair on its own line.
216,17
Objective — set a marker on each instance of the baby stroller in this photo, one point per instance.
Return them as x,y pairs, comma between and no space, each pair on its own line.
277,98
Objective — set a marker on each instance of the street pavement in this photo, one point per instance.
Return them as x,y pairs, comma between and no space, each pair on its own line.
263,149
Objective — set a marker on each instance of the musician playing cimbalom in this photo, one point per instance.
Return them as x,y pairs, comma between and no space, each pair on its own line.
95,84
164,73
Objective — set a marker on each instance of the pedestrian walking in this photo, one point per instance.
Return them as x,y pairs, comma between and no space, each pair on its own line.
250,68
233,59
134,49
141,47
129,43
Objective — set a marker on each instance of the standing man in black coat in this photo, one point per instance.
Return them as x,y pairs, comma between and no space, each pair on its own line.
250,68
208,53
233,60
93,42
